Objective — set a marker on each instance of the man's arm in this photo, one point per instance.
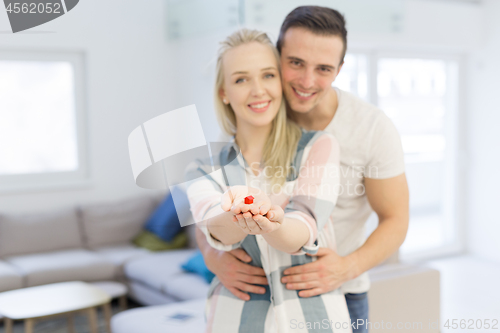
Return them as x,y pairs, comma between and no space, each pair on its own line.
389,198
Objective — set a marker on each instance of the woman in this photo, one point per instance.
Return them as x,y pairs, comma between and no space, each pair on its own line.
292,176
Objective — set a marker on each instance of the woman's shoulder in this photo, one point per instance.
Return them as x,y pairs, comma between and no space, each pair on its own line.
314,145
311,139
204,160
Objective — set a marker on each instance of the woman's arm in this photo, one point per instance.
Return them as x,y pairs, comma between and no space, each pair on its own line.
290,237
205,197
313,199
284,234
222,227
311,203
221,220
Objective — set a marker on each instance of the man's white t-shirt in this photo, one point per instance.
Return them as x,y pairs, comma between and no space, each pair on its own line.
370,147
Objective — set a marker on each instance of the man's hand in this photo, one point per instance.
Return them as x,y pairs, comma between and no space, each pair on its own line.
389,199
325,274
237,276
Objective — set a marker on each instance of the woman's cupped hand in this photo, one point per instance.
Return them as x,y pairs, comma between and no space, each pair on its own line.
259,217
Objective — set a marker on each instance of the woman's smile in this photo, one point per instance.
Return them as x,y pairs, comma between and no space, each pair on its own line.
259,107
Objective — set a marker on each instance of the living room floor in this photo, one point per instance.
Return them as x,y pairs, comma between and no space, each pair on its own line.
470,289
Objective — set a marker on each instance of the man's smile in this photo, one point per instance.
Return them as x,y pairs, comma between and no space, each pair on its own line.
302,94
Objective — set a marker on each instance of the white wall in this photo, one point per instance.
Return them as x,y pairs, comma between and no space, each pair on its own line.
445,25
129,80
483,144
194,76
436,25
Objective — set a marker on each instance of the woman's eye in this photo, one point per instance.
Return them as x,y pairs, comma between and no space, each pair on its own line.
240,80
269,76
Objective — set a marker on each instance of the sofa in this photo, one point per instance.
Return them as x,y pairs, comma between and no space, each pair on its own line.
89,242
93,242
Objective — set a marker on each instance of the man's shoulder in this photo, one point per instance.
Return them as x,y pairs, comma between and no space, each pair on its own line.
352,106
357,124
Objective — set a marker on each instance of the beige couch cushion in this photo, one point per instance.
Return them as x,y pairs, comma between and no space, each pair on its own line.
62,266
121,254
39,232
117,223
156,269
162,271
9,277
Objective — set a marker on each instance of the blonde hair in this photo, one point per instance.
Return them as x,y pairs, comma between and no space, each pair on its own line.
281,145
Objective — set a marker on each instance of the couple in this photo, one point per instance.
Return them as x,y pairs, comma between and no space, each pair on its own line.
296,258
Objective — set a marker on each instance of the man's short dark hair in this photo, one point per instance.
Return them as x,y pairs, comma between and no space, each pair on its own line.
318,20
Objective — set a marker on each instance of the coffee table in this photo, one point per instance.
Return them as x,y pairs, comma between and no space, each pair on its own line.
114,290
66,298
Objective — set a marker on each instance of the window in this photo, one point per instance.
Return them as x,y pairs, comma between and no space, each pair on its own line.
41,120
420,95
353,76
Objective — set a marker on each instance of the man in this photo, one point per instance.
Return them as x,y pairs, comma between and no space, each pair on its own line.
312,44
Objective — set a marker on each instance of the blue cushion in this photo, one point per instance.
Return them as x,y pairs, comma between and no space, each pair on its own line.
164,222
196,264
